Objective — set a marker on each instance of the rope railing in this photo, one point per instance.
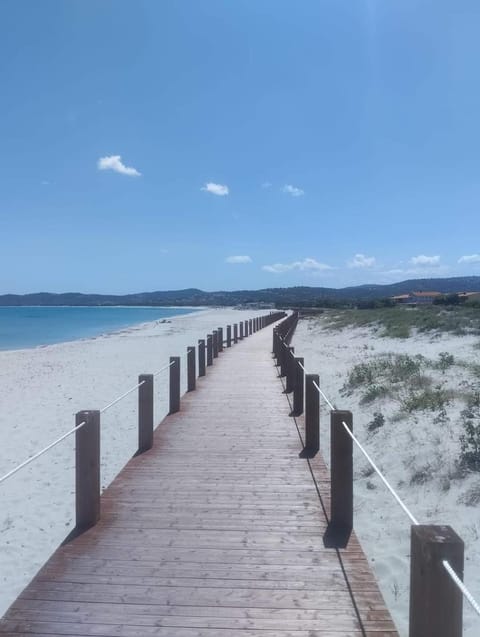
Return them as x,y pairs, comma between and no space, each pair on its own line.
300,384
75,429
41,452
117,400
317,387
381,476
367,456
162,369
466,593
265,320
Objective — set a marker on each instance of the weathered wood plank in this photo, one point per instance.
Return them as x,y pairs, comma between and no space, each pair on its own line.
217,530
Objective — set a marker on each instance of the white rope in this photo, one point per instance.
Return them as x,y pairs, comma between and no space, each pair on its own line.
323,395
469,597
56,442
164,368
40,453
382,477
114,402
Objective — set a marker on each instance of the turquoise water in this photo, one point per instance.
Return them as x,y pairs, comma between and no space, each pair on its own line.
22,327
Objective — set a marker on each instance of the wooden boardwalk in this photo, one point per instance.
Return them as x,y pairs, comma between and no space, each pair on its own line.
218,530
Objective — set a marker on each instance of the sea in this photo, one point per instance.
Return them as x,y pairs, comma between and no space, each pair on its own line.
24,327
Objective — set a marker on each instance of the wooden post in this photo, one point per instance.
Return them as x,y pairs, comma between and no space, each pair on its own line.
283,358
280,350
250,325
254,325
312,414
435,600
289,370
191,368
341,467
201,357
145,412
174,384
274,342
298,386
220,338
245,331
209,350
229,336
87,470
215,343
241,330
235,333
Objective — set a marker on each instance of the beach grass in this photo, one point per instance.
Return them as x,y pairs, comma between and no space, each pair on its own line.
403,322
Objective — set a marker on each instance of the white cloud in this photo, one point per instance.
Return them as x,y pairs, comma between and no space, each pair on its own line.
114,162
361,261
470,258
215,189
305,264
424,260
293,190
239,259
266,184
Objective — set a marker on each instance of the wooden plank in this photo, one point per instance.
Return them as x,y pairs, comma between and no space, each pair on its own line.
217,530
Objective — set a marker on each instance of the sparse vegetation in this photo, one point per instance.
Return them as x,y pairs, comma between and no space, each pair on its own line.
377,422
373,392
384,375
470,439
445,360
422,475
430,399
472,497
401,322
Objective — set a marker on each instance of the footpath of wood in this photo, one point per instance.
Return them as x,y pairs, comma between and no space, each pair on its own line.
217,530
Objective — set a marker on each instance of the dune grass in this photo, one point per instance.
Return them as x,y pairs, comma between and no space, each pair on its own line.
401,322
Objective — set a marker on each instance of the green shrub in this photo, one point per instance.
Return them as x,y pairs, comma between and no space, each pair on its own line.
373,392
445,360
470,439
379,376
377,422
427,399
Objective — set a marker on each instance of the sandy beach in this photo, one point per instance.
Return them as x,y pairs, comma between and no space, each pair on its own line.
42,388
418,455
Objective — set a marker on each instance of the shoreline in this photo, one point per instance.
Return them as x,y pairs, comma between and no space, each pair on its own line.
42,389
107,331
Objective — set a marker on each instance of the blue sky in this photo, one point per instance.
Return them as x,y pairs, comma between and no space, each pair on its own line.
143,144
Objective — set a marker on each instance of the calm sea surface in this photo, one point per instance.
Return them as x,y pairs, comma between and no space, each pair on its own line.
22,327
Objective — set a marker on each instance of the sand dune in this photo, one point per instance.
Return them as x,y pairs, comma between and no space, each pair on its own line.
418,454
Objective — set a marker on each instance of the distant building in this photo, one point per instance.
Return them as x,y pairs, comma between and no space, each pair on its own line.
423,298
469,296
401,298
417,298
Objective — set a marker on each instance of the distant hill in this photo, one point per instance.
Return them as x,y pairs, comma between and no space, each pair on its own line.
281,296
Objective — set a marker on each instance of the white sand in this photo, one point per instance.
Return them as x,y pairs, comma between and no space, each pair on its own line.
400,449
42,389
